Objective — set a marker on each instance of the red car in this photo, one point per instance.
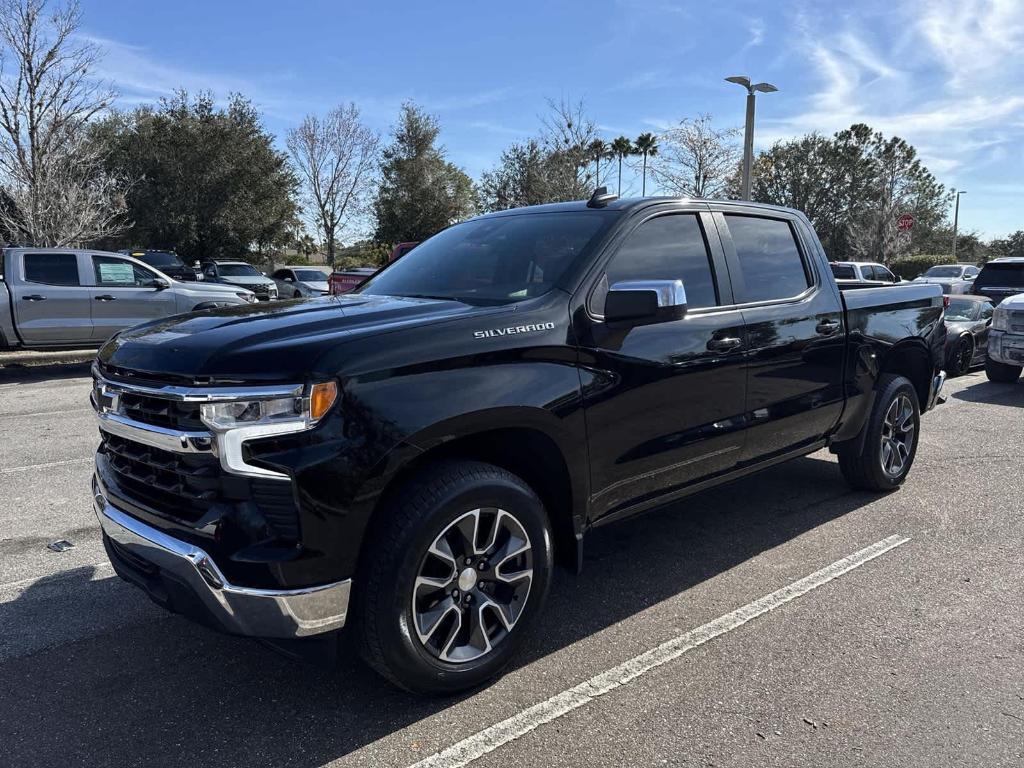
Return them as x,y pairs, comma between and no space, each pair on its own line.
345,280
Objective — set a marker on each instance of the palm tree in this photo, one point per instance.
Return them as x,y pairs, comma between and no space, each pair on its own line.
646,145
622,148
598,150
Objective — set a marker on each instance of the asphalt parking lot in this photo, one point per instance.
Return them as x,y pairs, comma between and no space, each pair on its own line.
909,653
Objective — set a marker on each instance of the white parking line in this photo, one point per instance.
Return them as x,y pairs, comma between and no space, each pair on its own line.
44,465
489,739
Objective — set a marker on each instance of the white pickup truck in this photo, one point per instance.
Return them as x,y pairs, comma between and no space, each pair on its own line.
1006,341
57,297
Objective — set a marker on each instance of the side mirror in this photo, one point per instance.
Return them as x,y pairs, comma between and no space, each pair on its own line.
645,301
160,284
288,280
263,273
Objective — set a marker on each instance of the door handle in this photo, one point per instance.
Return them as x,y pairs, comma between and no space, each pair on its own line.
724,344
33,297
105,297
827,327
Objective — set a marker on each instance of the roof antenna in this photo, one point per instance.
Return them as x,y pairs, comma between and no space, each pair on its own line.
601,198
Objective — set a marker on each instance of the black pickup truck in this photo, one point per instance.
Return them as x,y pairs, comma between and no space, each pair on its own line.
411,459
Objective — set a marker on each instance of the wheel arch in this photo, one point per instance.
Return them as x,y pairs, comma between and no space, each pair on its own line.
525,450
912,360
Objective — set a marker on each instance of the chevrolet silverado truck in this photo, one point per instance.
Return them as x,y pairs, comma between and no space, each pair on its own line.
423,451
66,298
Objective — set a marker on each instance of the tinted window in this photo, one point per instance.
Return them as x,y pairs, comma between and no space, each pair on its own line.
843,271
281,274
667,248
52,268
883,274
310,275
769,258
237,270
1005,274
159,259
971,272
116,273
947,271
494,260
961,310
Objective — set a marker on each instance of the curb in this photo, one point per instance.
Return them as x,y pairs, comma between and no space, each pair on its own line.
26,358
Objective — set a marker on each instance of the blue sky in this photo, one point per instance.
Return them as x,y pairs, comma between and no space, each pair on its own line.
946,74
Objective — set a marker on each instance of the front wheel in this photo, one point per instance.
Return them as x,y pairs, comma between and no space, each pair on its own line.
1001,372
890,442
959,363
452,578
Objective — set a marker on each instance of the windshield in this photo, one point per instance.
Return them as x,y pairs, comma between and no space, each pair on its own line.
949,271
493,261
843,272
961,309
1010,275
310,276
159,259
237,270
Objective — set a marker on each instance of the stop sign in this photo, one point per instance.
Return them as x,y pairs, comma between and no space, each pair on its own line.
905,222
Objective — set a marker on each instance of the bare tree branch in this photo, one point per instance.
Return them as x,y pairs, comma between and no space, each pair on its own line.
696,159
336,158
53,175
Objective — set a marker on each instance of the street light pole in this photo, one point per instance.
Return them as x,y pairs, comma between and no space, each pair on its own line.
748,131
956,219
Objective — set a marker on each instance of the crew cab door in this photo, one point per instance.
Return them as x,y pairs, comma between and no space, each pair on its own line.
795,337
124,295
51,304
663,401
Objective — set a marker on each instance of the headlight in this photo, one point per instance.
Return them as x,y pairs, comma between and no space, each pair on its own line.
250,297
302,412
272,292
1001,320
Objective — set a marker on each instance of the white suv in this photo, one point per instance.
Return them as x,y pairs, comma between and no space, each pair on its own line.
1006,341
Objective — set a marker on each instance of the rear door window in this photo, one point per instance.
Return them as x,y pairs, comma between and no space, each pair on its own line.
1001,275
770,260
843,271
52,268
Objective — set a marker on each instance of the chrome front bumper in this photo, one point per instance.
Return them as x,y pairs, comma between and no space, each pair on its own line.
239,610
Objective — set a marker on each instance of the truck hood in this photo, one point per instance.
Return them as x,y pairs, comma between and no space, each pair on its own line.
246,280
280,342
1013,302
202,286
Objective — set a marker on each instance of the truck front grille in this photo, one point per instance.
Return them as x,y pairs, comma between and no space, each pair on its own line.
161,412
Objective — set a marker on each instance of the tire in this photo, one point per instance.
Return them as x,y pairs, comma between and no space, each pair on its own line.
1001,373
959,362
296,295
411,619
876,467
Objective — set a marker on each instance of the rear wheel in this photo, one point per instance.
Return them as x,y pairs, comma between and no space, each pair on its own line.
1001,372
453,578
960,360
890,442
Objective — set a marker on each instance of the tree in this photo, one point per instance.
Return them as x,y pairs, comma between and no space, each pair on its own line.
853,187
1012,245
646,146
524,176
622,147
420,192
696,159
567,134
211,184
335,158
53,177
598,151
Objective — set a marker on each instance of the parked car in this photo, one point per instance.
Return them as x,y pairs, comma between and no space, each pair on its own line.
53,297
1000,278
967,324
857,274
952,278
242,274
1006,341
296,282
411,458
347,280
169,263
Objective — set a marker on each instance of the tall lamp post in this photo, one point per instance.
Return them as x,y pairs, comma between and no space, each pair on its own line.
748,133
956,218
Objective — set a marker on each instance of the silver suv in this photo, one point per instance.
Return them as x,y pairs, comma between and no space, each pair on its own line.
58,297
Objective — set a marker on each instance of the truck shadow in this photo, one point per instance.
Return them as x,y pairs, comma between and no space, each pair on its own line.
33,374
165,691
993,394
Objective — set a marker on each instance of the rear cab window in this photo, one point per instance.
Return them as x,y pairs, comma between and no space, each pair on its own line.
771,264
1001,275
51,268
843,271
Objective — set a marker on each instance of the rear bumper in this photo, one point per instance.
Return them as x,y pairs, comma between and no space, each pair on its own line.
183,578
